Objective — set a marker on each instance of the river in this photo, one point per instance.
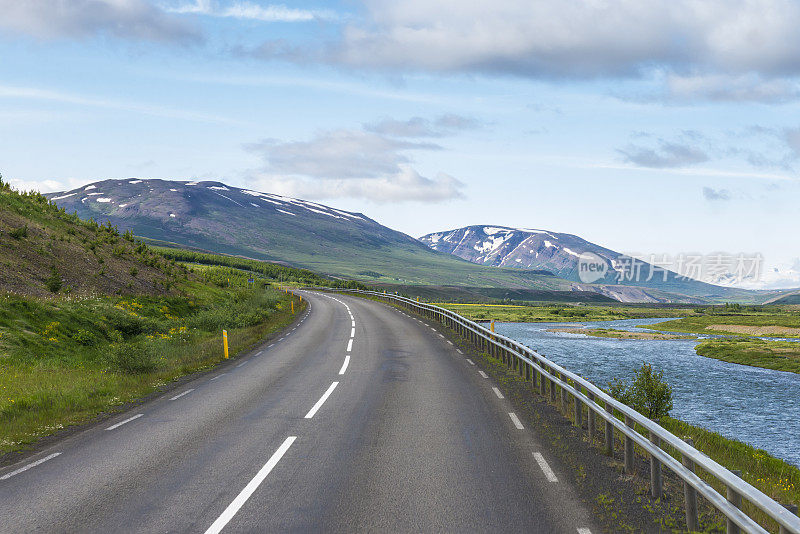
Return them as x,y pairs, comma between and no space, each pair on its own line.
760,407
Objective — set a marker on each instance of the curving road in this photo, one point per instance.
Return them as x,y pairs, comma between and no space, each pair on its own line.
360,418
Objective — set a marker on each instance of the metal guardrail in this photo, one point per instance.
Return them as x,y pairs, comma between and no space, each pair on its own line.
529,364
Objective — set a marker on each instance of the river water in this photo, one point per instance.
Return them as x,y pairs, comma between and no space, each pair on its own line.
757,406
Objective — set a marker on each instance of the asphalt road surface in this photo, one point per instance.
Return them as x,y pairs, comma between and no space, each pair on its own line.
359,419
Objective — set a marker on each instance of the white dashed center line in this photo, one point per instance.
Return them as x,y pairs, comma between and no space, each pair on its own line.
321,401
497,392
548,473
128,420
515,420
26,467
251,487
344,365
350,345
179,395
353,332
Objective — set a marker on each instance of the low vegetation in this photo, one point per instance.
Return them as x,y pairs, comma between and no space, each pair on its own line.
736,320
560,313
620,334
647,393
769,354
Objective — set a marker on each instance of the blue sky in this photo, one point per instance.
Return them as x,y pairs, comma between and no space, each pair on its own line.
644,126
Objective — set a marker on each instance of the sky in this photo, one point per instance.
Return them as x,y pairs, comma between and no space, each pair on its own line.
649,127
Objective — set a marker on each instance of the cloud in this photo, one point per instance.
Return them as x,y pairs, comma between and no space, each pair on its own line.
420,127
126,19
350,163
736,88
666,155
404,185
568,39
714,195
33,93
251,11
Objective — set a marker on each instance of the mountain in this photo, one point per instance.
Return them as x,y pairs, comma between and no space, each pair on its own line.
220,218
561,254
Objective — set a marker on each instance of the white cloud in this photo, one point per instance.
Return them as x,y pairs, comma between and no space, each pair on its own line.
665,155
421,127
405,184
731,88
350,163
714,195
34,93
251,11
126,19
569,39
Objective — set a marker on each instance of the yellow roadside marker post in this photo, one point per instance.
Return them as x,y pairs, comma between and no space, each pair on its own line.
225,342
292,307
492,326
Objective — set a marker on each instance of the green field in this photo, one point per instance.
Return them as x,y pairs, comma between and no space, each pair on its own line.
768,321
769,354
559,313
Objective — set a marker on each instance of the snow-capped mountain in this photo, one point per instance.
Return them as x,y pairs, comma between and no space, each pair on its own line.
560,254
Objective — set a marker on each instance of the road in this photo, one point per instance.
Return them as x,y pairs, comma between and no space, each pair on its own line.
359,419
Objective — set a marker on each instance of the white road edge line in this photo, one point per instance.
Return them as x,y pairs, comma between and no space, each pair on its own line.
344,365
441,336
219,375
241,364
548,473
450,342
128,420
497,392
251,487
321,401
470,361
516,421
584,531
459,351
26,467
350,345
179,395
484,375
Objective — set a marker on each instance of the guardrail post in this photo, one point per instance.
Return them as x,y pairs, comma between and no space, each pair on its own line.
792,508
591,418
690,494
578,408
656,486
542,383
736,500
552,389
609,431
629,467
564,400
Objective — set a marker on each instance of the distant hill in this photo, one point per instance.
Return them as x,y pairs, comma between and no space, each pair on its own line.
44,251
220,218
559,253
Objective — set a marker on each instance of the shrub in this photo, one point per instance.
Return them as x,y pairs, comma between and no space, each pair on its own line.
134,271
20,232
84,337
53,281
648,394
133,358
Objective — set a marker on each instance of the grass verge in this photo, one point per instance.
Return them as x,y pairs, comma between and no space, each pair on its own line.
64,361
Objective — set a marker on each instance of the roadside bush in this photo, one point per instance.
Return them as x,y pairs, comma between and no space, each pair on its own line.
648,394
133,358
84,337
53,281
127,324
19,233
